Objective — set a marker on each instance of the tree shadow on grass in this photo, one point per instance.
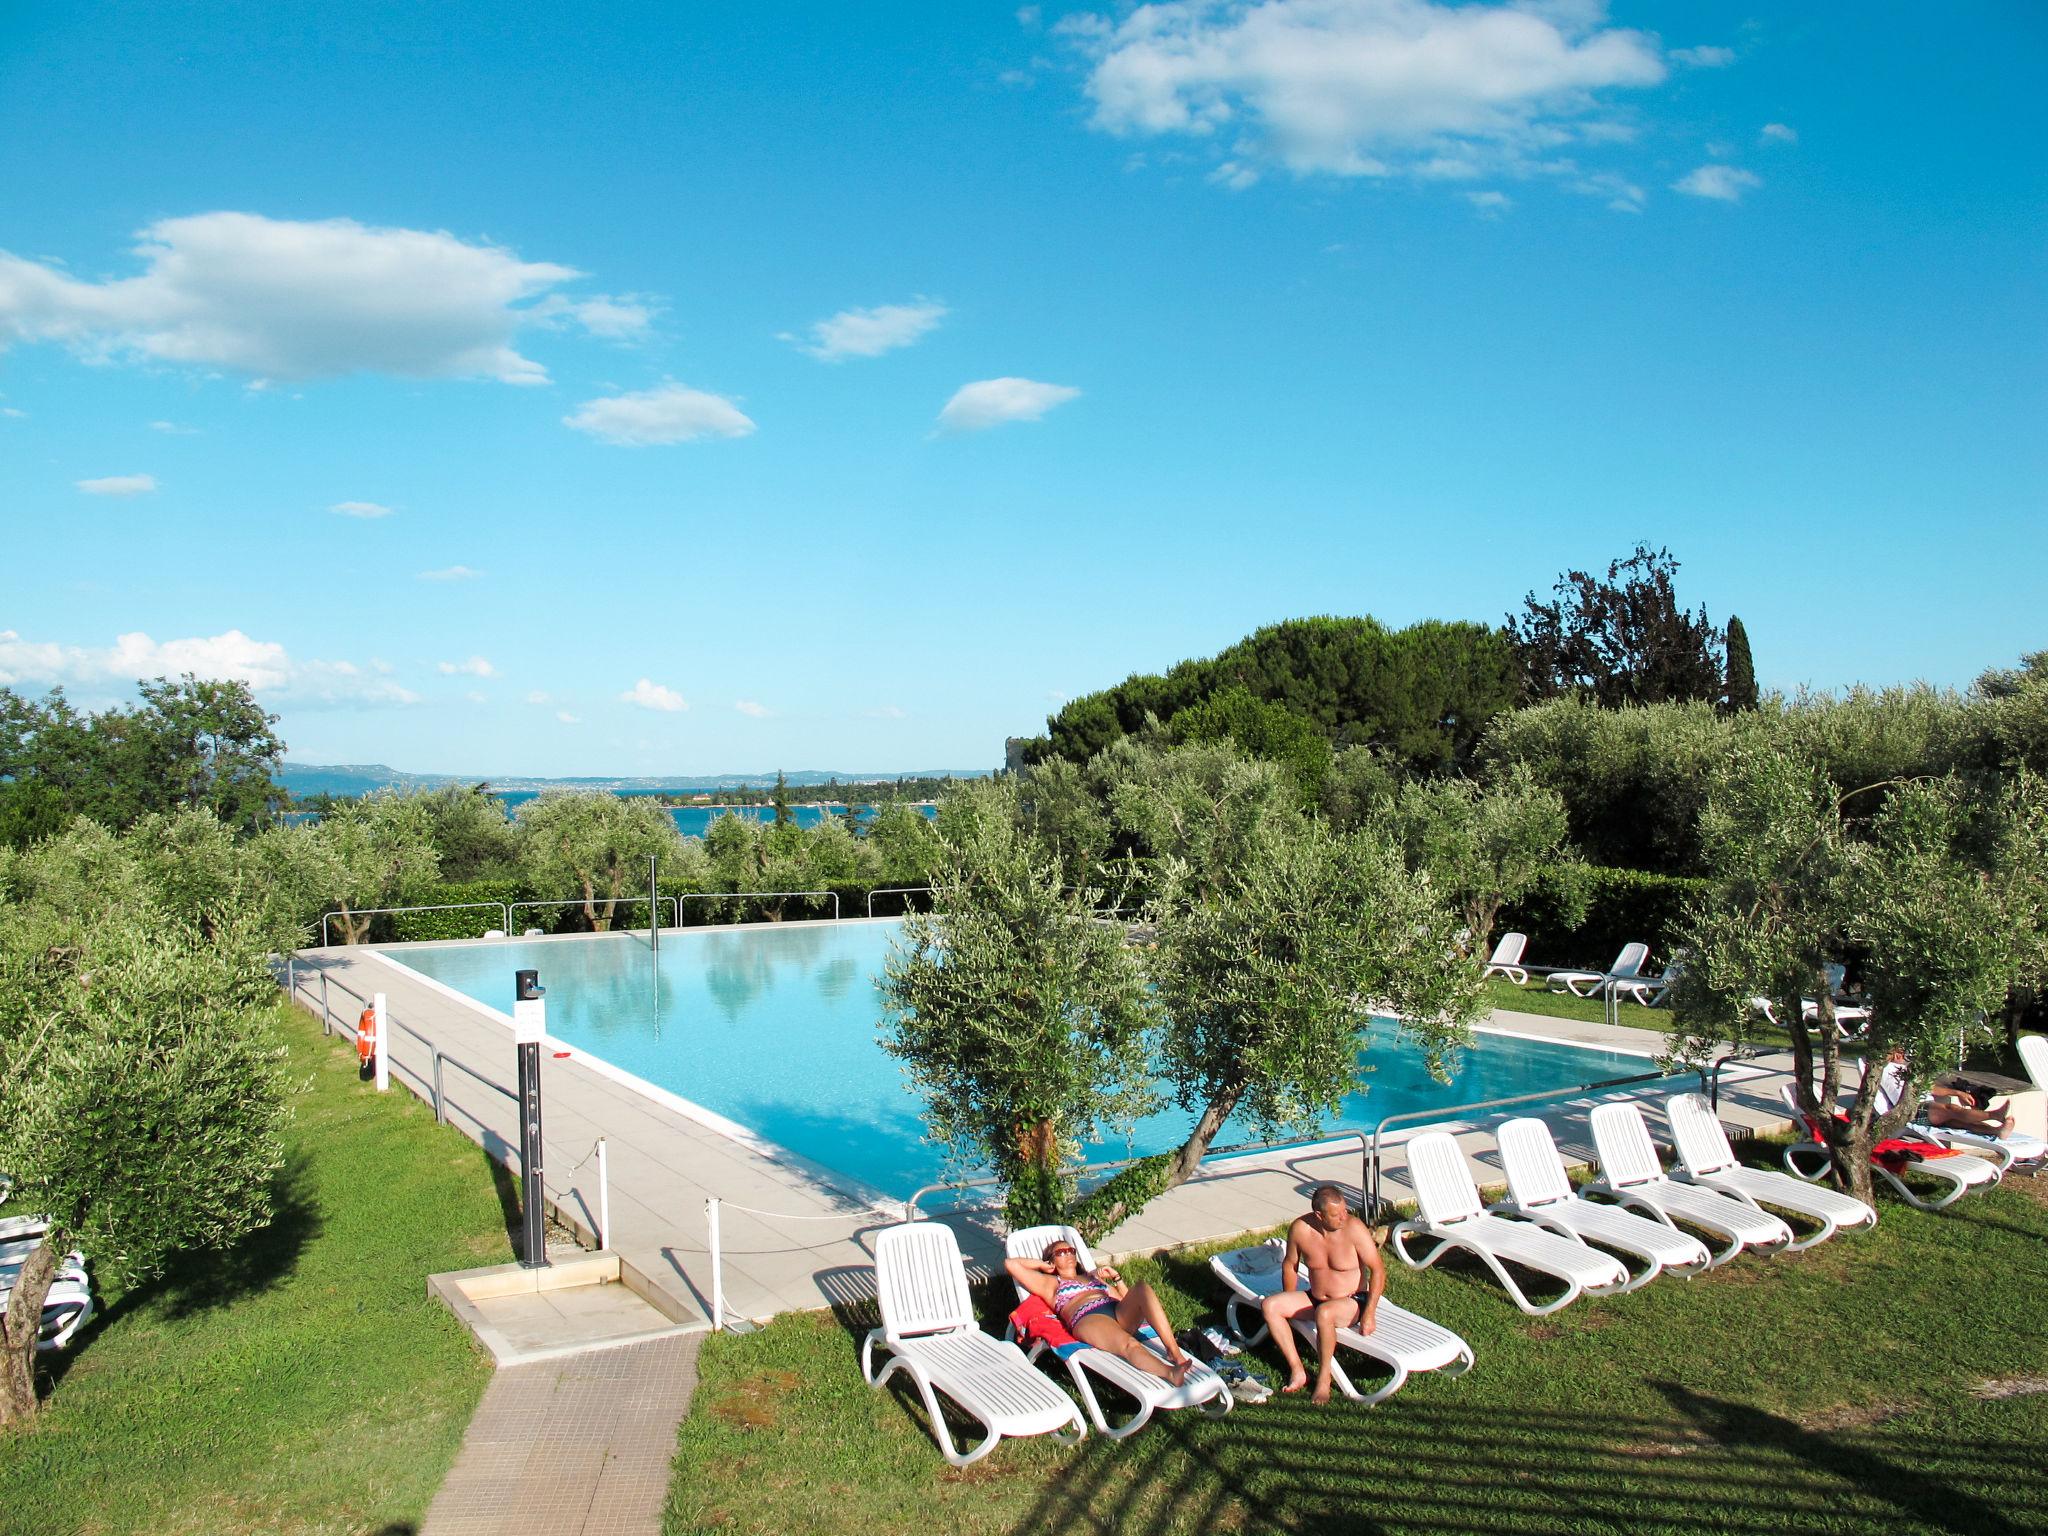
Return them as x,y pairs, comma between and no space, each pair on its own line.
1431,1463
198,1282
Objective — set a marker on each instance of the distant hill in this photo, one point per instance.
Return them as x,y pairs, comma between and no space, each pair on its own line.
362,778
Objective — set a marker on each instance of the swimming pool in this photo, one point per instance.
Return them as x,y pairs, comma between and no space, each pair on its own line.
775,1028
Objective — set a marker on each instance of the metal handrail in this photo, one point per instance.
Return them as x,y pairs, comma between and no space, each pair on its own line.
439,1056
447,906
578,901
1712,1077
744,895
893,890
1235,1149
1370,1175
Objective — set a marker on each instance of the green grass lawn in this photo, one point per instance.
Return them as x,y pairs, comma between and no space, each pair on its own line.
1832,1391
1536,998
302,1383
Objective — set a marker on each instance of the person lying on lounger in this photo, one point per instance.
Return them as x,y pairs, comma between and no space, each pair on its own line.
1951,1108
1100,1310
1345,1283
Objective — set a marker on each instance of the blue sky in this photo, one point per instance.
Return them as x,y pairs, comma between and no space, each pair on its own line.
712,389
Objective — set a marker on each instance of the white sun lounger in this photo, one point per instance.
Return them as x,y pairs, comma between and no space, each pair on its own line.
1650,991
1959,1170
67,1307
929,1329
1706,1158
2005,1151
1401,1341
2034,1057
1507,959
1452,1215
1627,968
1539,1191
1631,1174
1202,1389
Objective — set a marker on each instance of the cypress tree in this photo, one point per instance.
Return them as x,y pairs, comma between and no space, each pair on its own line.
1741,670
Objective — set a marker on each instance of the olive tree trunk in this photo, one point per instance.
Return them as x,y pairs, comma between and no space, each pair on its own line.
18,1329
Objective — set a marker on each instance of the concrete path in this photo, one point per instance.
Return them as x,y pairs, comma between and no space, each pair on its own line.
665,1164
574,1447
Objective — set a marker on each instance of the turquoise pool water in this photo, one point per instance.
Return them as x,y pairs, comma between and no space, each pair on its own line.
775,1028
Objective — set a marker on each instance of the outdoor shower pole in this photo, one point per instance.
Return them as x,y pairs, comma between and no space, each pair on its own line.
654,902
529,1024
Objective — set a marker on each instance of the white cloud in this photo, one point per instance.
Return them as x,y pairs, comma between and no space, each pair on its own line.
477,696
991,402
871,332
887,712
1362,87
1778,133
119,485
538,697
265,665
566,718
362,509
1489,202
451,573
668,413
651,695
615,318
1707,57
1723,183
303,299
13,412
752,710
476,666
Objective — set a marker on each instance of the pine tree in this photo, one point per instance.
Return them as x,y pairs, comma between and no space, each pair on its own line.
1741,692
784,816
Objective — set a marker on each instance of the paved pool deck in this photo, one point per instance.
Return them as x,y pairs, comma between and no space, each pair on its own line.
814,1247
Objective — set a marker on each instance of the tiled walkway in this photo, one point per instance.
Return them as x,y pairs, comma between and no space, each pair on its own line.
572,1446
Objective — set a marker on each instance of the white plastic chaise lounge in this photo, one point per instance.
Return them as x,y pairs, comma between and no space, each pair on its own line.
1452,1215
1706,1158
1650,991
1889,1160
2005,1151
1203,1388
1400,1340
2034,1058
1507,959
1627,967
928,1327
1539,1191
1631,1174
67,1307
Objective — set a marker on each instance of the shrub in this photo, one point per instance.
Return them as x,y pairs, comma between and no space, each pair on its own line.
1617,906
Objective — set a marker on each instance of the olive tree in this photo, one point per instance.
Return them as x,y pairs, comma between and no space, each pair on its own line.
1937,892
594,845
373,852
141,1095
1020,1017
1270,970
1481,846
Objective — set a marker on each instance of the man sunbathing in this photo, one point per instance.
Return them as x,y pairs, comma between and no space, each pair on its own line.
1950,1108
1100,1310
1345,1283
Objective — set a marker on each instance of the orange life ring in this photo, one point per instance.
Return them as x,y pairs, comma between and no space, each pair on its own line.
366,1035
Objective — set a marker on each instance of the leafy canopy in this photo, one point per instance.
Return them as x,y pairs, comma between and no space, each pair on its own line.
1020,1018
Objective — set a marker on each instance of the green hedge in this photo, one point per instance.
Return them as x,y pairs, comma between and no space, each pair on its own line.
470,923
1620,905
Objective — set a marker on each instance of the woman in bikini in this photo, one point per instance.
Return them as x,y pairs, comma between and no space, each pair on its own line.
1100,1310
